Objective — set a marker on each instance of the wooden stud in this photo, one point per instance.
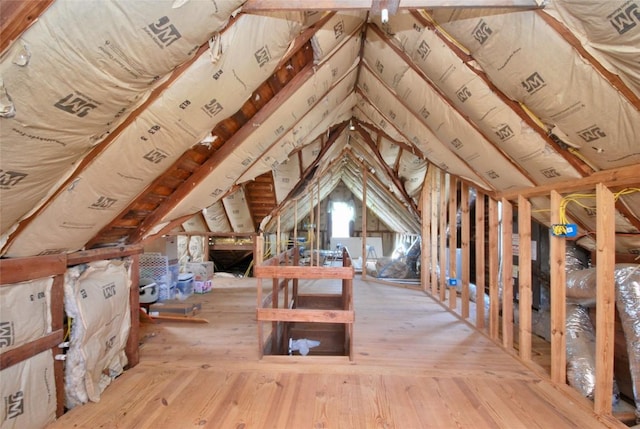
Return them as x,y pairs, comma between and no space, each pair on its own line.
466,253
524,277
453,227
507,274
480,260
434,231
442,226
425,233
365,177
605,298
558,297
494,305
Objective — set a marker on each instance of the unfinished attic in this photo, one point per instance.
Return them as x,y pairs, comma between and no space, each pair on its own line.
296,214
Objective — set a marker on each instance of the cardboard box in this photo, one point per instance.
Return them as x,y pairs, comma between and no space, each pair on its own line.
203,287
202,271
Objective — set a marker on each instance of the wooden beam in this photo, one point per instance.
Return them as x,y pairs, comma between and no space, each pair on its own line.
31,268
507,274
32,348
525,116
558,297
271,5
615,178
85,256
494,304
524,278
305,315
442,96
17,16
391,174
465,238
303,272
222,154
605,299
572,40
57,324
480,259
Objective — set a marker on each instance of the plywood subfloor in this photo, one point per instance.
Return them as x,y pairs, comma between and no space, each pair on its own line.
416,366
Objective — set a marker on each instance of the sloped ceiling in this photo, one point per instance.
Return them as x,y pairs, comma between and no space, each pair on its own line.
124,120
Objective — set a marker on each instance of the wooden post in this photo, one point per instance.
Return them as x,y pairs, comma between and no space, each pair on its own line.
311,230
318,225
507,274
453,227
57,325
452,297
524,277
434,231
605,298
257,261
442,225
133,341
558,297
466,254
364,224
494,305
480,260
425,233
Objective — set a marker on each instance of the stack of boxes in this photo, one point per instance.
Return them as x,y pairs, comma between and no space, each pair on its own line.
202,275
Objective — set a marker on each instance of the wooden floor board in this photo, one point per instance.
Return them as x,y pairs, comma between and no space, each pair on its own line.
416,366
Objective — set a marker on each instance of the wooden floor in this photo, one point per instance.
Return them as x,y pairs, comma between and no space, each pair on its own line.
416,366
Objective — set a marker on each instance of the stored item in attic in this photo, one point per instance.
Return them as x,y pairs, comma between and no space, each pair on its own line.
185,286
175,308
148,291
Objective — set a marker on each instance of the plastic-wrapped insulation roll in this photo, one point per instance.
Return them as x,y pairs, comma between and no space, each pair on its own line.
628,302
581,352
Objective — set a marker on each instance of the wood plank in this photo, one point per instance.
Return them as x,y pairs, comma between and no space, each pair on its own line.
605,298
305,315
17,16
614,178
480,259
434,231
524,278
466,251
132,347
453,230
85,256
24,269
507,274
442,227
425,230
57,324
266,5
494,305
557,255
32,348
302,272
